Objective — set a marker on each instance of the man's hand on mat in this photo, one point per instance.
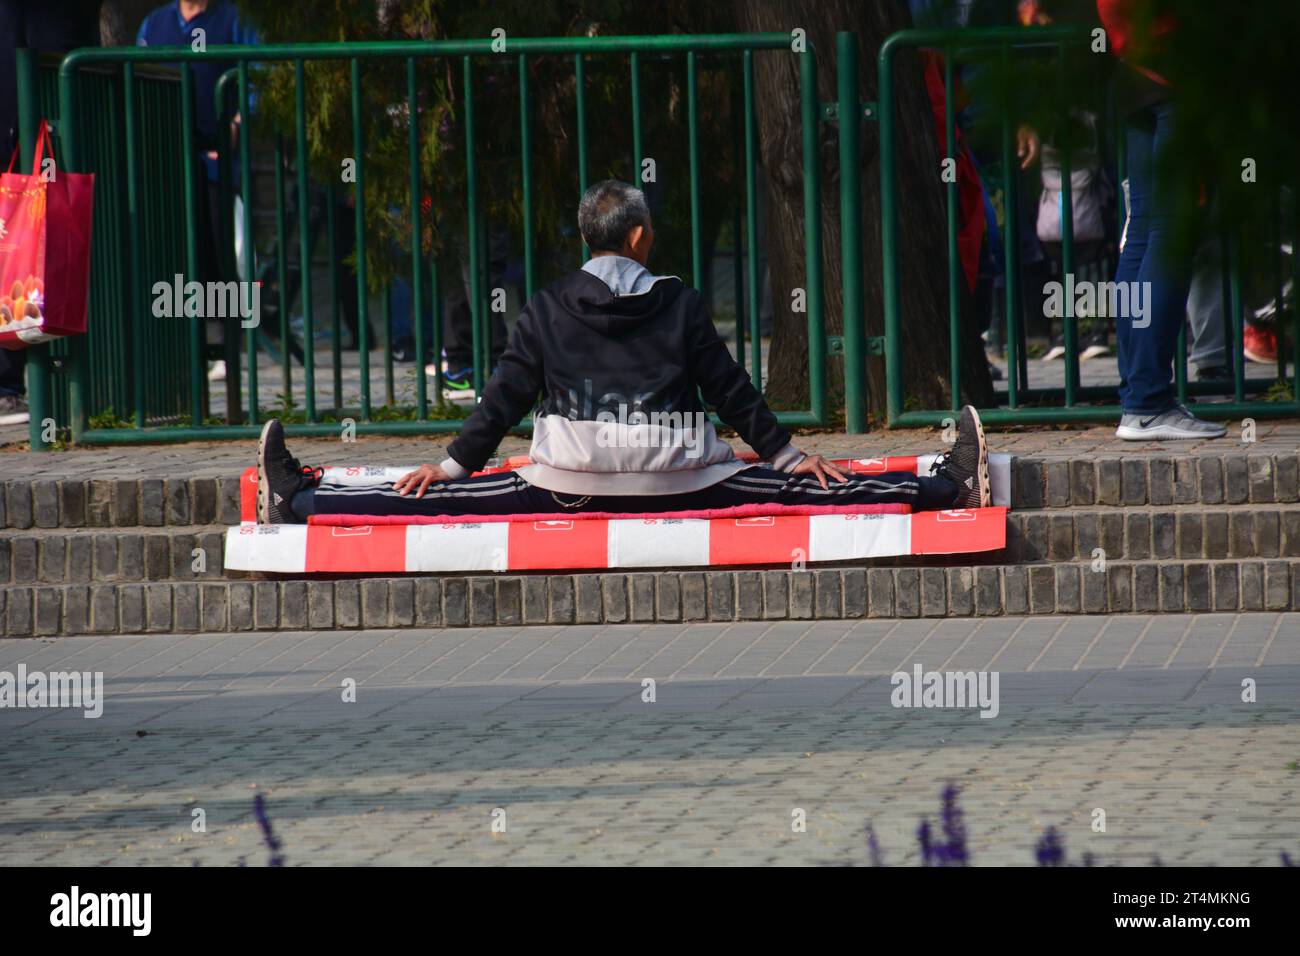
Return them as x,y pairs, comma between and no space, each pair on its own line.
420,479
819,466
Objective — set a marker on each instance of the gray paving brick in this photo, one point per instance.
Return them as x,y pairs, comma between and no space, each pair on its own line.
613,589
961,591
934,592
856,591
749,595
829,598
482,602
776,594
693,596
907,592
880,592
347,602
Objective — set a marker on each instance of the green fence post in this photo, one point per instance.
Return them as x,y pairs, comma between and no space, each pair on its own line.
1070,321
580,106
336,333
846,59
363,317
198,378
471,189
889,236
133,217
526,172
304,239
954,257
417,251
39,391
282,273
634,66
812,218
1011,244
693,141
250,259
751,222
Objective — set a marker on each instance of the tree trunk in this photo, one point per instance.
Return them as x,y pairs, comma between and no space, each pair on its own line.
922,226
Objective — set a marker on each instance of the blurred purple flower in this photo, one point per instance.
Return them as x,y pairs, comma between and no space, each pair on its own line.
268,835
953,852
873,847
923,838
1050,851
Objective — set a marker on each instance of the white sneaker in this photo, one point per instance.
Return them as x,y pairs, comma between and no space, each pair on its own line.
218,371
13,410
1054,353
1177,424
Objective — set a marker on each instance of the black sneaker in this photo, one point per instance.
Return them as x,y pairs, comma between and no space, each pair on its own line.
967,463
280,476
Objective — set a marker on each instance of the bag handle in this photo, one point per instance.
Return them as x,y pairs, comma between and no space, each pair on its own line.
42,141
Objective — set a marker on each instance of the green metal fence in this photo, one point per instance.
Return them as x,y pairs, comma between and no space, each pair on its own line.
110,351
136,258
1048,405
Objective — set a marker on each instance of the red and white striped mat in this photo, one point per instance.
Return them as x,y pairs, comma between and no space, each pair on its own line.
564,543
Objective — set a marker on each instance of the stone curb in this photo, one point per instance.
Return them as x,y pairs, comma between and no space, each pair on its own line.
669,597
1186,532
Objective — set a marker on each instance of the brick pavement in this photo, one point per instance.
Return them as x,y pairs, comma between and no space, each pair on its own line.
1138,715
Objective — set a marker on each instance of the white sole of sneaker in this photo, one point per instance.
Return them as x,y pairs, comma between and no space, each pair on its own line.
263,485
1163,433
1093,351
982,472
18,418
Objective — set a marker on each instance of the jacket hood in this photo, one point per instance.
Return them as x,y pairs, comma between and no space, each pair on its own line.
589,300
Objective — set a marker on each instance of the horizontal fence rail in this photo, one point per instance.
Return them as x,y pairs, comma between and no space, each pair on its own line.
179,363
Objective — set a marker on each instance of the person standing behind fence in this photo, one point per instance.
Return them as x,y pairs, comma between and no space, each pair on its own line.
180,23
1151,410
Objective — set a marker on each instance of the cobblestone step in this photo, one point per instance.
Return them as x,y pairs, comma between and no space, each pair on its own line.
839,593
1187,532
1038,481
79,556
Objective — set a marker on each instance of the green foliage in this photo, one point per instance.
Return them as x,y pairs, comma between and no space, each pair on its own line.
440,92
109,419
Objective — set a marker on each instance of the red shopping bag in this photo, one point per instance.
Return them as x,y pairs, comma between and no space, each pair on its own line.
44,251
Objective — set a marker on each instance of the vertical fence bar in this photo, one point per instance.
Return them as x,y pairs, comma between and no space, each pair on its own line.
812,217
197,366
39,396
304,240
1070,320
693,129
889,238
1011,243
435,307
133,219
230,346
954,257
387,313
1234,306
737,245
637,156
250,275
471,188
1295,292
751,222
526,171
78,390
855,406
1279,323
580,101
336,345
417,249
282,273
363,318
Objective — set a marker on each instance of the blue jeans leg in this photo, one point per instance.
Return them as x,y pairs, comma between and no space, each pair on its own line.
1146,351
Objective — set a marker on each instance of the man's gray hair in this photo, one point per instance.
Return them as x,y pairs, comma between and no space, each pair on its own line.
608,212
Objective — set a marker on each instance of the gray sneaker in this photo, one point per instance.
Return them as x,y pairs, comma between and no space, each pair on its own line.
13,410
1177,424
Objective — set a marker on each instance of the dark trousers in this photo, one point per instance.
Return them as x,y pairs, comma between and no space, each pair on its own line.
52,26
1146,352
507,493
